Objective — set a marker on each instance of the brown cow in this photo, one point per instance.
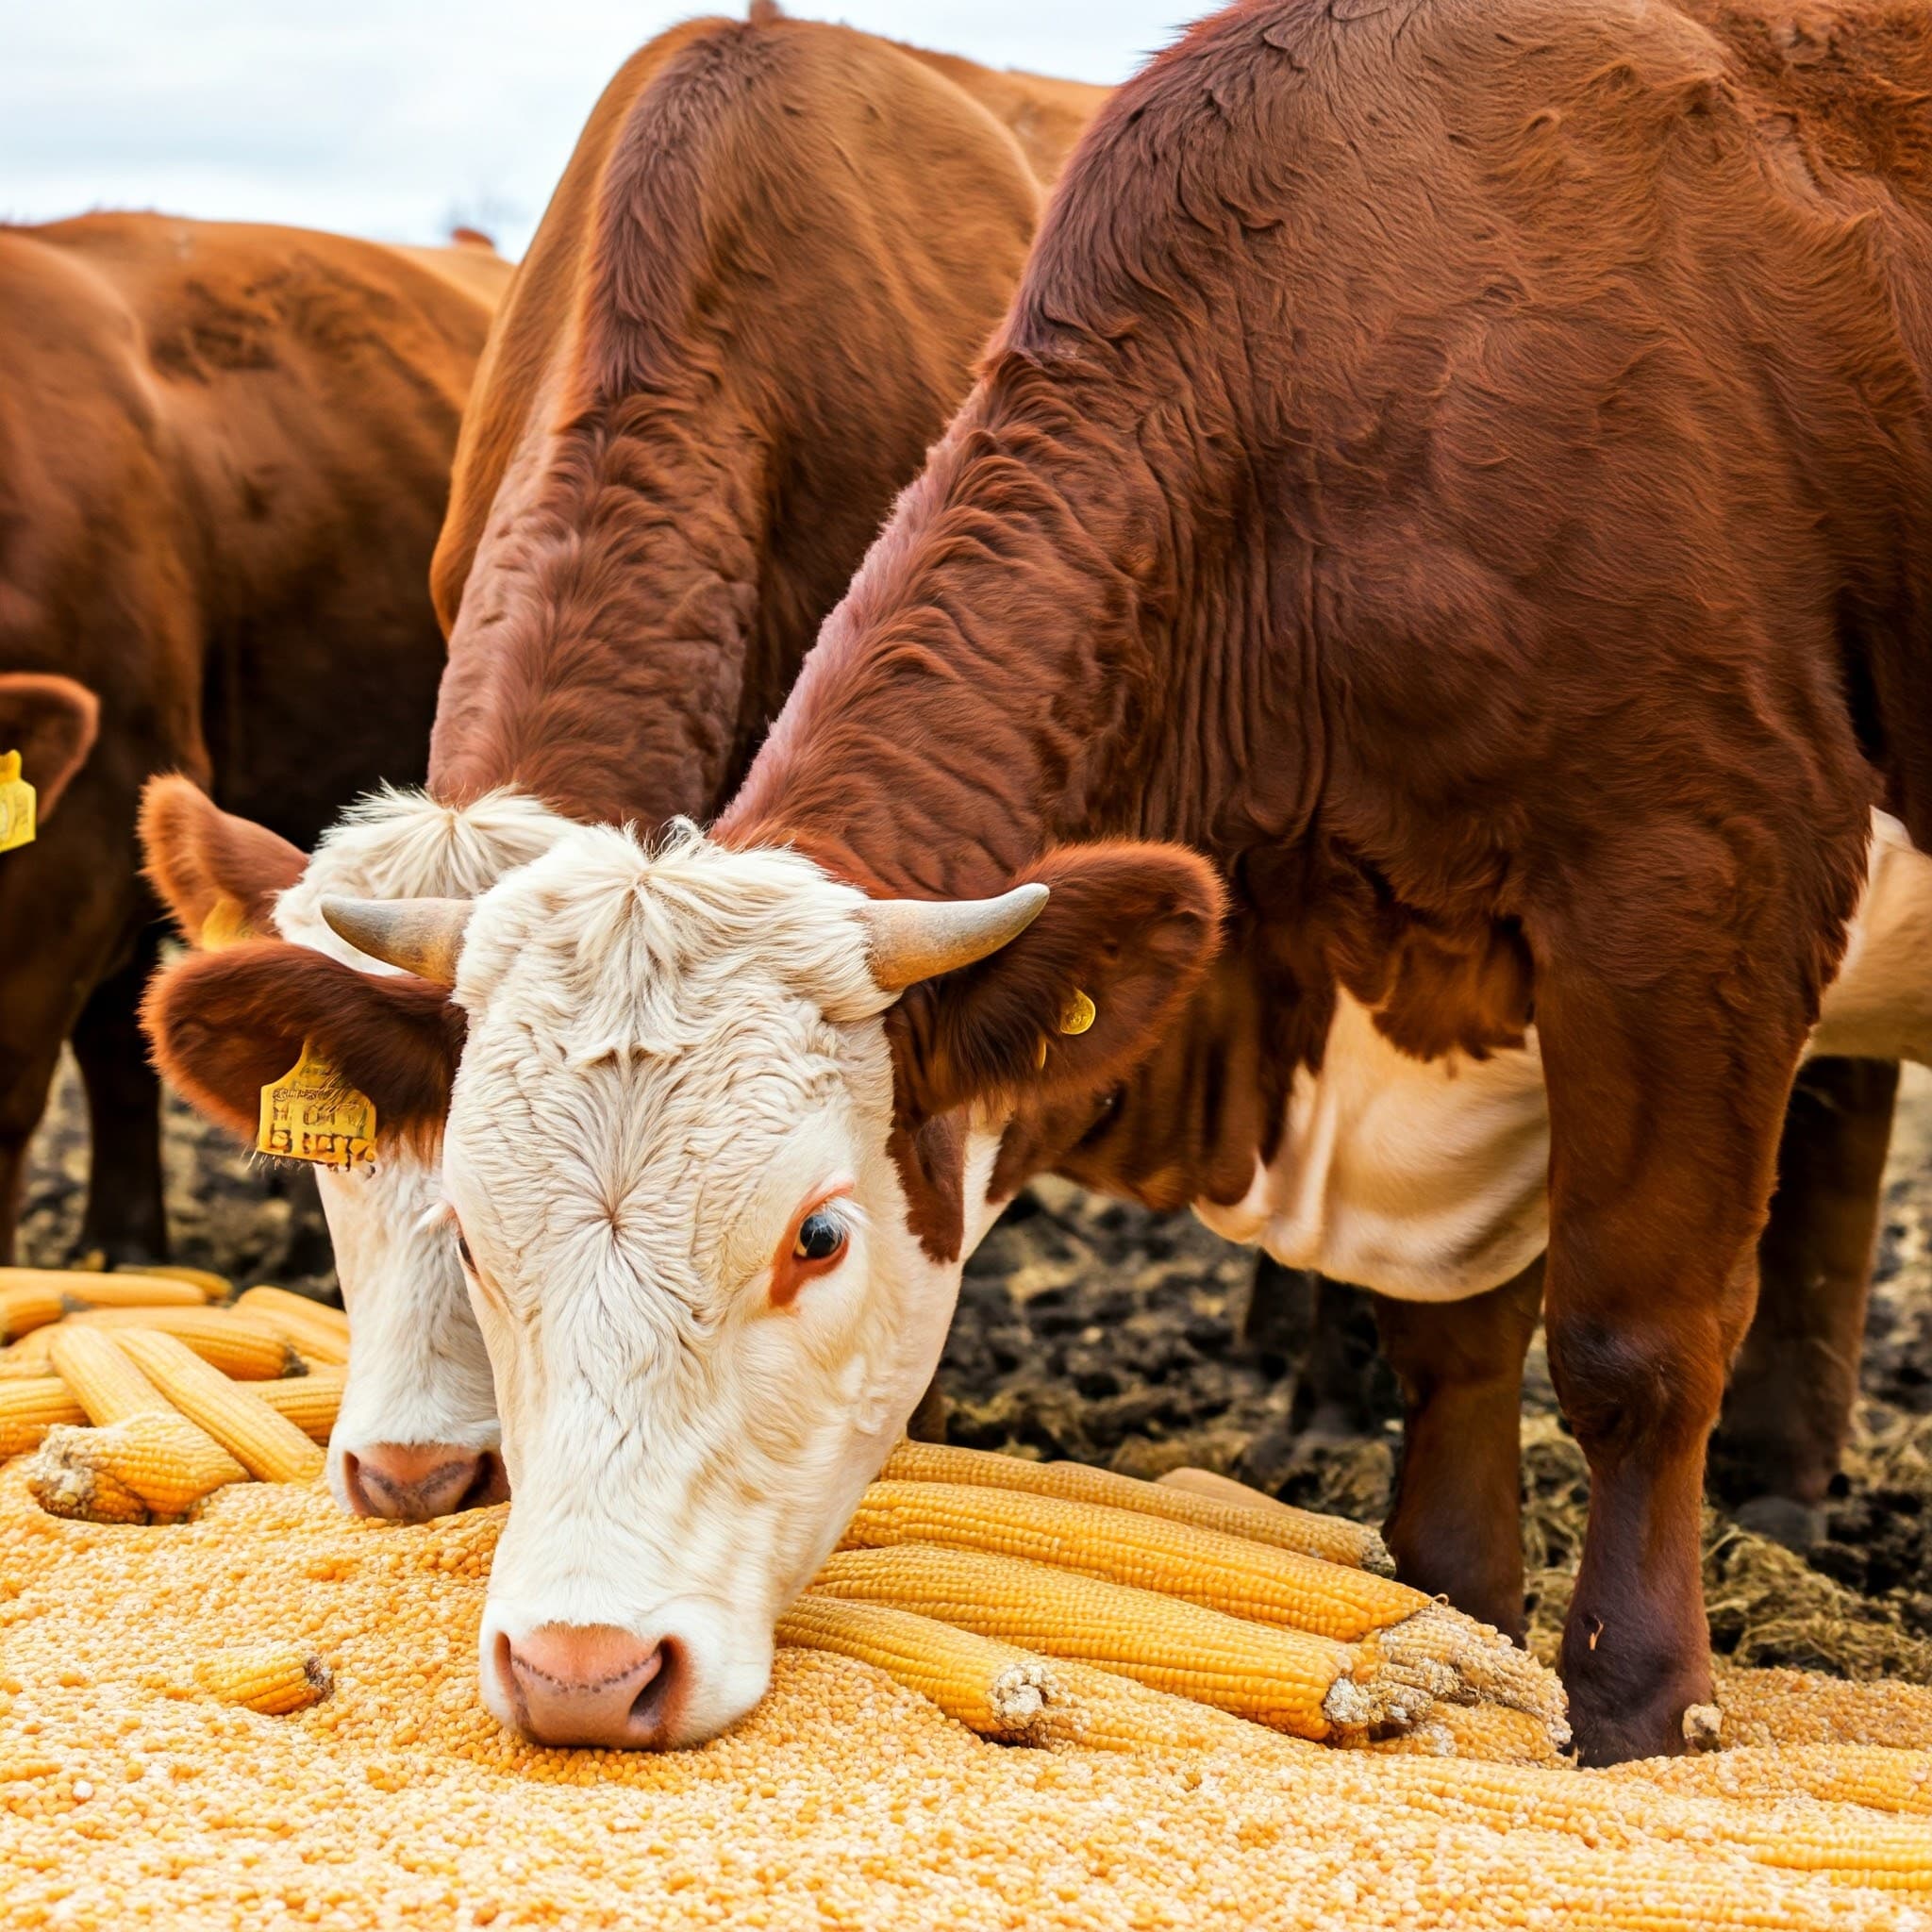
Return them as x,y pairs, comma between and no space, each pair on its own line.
1463,466
224,454
756,297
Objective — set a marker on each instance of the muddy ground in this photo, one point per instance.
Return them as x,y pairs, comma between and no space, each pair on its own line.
1092,1329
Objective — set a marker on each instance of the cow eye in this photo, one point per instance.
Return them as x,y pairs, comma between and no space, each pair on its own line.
463,1249
820,1237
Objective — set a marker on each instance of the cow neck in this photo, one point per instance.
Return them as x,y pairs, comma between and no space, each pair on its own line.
989,687
599,660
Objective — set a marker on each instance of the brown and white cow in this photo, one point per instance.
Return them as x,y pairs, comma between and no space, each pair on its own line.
1435,568
755,298
225,454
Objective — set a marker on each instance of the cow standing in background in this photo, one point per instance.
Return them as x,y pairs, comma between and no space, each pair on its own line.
224,456
1463,467
757,295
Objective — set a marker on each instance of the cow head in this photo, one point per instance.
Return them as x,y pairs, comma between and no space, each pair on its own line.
417,1435
719,1145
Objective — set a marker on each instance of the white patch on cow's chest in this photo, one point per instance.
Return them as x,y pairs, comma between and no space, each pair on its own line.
1422,1179
1426,1180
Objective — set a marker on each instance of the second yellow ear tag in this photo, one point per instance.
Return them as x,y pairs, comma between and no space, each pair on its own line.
16,803
308,1114
1078,1013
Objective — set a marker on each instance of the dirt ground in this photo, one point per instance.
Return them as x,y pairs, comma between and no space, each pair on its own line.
1092,1329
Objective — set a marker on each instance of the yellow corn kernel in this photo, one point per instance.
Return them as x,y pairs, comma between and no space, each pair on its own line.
164,1460
1201,1566
243,1348
274,1679
1289,1680
29,1408
268,1446
102,1375
1333,1538
311,1402
319,1334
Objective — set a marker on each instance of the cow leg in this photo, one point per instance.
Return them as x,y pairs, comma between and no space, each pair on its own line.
22,1100
126,1220
1788,1411
1455,1527
1667,1092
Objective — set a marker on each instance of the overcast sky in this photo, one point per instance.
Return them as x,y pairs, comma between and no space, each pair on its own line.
389,117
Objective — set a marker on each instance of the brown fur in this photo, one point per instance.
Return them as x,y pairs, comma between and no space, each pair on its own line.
1466,468
224,454
739,328
736,333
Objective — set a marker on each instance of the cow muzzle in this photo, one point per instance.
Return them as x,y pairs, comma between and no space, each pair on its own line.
411,1482
592,1684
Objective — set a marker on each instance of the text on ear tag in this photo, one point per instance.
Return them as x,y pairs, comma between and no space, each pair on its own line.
308,1114
226,925
16,803
1078,1013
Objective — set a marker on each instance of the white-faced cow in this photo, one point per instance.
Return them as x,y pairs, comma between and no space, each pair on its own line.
753,303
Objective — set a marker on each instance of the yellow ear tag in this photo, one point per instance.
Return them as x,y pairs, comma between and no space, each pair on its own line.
16,803
308,1114
1079,1013
226,925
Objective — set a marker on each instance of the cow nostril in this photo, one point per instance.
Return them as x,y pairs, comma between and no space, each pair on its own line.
352,1485
649,1707
490,1483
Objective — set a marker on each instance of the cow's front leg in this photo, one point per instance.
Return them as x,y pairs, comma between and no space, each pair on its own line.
1455,1527
1788,1411
1666,1098
125,1221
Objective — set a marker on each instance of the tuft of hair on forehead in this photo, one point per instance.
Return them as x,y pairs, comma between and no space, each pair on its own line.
396,845
604,915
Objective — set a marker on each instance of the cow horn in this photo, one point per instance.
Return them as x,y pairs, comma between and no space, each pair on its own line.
419,936
919,939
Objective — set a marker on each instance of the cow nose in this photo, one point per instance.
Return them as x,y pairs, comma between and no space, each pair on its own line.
589,1684
410,1482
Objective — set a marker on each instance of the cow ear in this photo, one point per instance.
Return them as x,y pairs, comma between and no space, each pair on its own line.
51,723
1075,1003
225,1024
220,875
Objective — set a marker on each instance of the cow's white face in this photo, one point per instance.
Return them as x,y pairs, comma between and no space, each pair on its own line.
417,1433
667,1151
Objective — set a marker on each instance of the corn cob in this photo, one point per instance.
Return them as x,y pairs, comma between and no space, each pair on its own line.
1200,1566
25,1306
213,1286
274,1679
164,1461
268,1446
1289,1680
243,1348
1011,1694
102,1376
317,1333
1332,1538
1486,1731
311,1402
129,1291
29,1408
1881,1777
